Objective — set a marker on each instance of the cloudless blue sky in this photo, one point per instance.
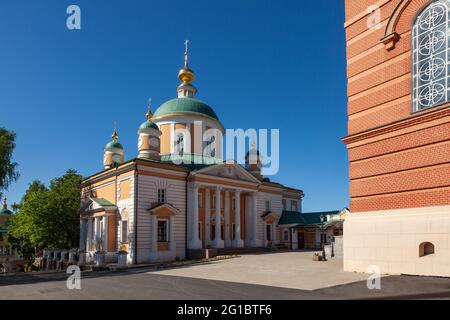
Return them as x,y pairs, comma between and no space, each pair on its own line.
259,64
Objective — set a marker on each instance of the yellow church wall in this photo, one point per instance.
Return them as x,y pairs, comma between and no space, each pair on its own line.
125,188
111,233
107,192
165,138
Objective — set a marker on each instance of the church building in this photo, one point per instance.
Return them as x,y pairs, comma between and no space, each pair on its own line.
172,200
398,68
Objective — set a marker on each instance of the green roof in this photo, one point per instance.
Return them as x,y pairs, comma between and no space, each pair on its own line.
149,125
306,218
103,202
5,212
186,105
113,144
314,217
291,217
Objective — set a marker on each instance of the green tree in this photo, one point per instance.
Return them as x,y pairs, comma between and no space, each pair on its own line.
22,229
8,168
48,218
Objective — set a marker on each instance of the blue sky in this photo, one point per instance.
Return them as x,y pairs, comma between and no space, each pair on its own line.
260,64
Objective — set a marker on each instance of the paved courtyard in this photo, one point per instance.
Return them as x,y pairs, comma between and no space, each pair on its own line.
279,276
294,270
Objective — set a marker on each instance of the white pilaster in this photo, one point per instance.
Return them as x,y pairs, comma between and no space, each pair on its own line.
274,234
172,243
253,220
207,217
294,238
105,233
96,234
154,237
194,239
237,241
218,241
90,232
83,234
227,219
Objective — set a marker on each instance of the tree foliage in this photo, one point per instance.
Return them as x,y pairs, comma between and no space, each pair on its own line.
8,168
48,217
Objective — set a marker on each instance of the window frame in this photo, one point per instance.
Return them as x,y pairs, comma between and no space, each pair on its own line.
268,205
415,39
166,232
162,194
179,143
286,235
122,231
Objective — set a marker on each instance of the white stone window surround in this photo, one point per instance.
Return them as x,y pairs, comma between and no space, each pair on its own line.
430,50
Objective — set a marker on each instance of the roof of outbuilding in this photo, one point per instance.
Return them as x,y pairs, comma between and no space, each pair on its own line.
306,218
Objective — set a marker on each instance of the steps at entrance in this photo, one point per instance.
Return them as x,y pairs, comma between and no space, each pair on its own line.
231,251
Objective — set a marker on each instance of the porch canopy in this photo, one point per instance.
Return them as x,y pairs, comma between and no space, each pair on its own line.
291,219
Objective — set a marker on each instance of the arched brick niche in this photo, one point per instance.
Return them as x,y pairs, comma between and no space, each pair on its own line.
425,249
401,20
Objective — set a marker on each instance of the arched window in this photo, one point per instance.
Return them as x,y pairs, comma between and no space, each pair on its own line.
179,143
430,45
124,226
425,249
210,151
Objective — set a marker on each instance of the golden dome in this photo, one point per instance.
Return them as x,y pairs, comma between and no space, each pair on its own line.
186,75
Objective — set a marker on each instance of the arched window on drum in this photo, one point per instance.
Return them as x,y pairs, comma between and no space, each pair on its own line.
430,47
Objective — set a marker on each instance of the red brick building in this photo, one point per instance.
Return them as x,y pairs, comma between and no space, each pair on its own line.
398,69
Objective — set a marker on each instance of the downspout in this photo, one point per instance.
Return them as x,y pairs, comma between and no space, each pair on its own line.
135,212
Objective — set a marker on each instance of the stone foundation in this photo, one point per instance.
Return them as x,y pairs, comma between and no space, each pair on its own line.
394,241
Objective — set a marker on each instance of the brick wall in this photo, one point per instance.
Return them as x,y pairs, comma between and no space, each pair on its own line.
398,159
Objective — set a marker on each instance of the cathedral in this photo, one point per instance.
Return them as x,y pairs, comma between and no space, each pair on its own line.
177,198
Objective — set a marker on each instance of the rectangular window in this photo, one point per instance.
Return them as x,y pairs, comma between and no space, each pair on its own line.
124,230
200,230
233,236
213,205
269,232
294,205
284,205
267,205
162,231
161,195
286,235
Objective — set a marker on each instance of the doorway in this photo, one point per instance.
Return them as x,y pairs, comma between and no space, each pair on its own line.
301,240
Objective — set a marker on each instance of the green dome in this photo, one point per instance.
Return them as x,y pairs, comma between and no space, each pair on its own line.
113,144
5,212
186,105
149,125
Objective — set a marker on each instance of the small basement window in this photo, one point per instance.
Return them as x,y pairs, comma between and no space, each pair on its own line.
425,249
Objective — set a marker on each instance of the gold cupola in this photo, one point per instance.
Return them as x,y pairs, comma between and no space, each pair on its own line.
149,143
113,153
186,76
